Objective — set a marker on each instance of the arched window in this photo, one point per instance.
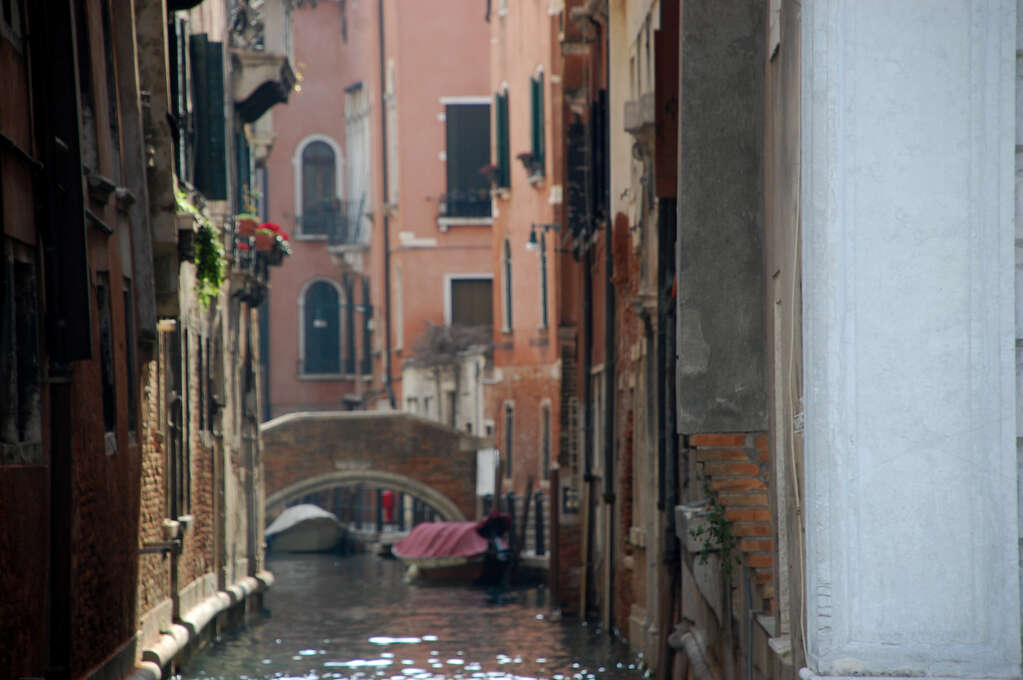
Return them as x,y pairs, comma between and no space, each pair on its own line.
319,188
322,329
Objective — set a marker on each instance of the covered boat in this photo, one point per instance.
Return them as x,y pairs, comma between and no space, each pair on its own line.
304,528
445,551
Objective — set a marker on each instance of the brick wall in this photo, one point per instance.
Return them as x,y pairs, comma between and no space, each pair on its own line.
298,448
735,468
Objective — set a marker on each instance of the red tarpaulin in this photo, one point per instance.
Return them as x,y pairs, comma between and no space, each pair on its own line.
438,540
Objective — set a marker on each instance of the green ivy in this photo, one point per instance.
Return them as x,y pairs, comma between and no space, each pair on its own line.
209,252
716,535
209,264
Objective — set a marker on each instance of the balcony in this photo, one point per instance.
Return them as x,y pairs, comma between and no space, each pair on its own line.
339,222
469,207
262,75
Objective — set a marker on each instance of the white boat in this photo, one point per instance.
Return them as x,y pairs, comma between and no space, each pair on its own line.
304,528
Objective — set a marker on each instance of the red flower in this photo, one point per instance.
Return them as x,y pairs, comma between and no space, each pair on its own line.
276,229
242,245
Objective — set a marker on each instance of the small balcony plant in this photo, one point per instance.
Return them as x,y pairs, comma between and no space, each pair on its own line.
532,164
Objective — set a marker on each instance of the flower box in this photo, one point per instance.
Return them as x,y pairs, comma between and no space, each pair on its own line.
265,241
247,225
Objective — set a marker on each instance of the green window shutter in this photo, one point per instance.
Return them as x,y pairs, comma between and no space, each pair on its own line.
534,106
241,147
503,150
541,146
208,114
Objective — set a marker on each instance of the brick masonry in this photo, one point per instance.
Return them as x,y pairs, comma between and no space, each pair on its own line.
735,469
299,447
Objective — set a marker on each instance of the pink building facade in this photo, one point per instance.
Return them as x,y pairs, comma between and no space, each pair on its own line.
382,228
523,400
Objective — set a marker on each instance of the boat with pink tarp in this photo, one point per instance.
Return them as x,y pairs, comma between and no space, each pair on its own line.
456,551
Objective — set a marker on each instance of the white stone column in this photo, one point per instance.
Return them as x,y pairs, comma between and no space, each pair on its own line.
907,124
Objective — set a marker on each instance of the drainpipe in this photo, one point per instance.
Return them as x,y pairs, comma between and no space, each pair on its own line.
387,220
693,643
588,478
609,373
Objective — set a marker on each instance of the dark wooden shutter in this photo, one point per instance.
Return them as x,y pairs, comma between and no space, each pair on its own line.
322,335
208,110
468,151
367,329
349,324
241,151
472,302
539,142
503,147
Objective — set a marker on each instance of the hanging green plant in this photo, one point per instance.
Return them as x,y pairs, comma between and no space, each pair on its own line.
209,264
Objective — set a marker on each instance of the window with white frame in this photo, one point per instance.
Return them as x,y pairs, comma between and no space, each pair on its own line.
470,300
319,169
467,157
319,307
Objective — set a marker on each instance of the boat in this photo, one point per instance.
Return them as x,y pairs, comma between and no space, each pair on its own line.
304,528
465,552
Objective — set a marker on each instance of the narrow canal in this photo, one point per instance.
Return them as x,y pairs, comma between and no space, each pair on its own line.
355,617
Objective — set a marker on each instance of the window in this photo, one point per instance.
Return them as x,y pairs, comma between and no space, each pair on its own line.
470,301
509,439
412,404
318,188
106,357
321,329
20,408
113,110
502,143
536,105
209,129
172,344
11,17
543,279
468,154
452,399
318,164
349,288
367,329
87,104
506,266
129,358
545,442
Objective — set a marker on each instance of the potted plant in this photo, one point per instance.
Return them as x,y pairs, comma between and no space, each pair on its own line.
492,173
532,164
246,224
264,239
281,243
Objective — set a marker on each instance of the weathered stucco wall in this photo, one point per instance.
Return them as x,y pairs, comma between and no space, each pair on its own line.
721,280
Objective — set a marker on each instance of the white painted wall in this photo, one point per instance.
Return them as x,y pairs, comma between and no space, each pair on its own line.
907,218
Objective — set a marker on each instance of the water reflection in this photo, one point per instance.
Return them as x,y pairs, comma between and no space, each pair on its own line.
355,617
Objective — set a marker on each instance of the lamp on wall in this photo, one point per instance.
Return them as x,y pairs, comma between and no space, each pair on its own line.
533,243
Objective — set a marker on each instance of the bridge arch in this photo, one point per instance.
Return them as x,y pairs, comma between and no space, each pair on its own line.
279,500
307,452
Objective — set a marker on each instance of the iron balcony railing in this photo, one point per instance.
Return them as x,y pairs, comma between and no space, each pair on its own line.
340,221
468,203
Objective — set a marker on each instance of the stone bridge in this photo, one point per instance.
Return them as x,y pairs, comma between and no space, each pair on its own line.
304,453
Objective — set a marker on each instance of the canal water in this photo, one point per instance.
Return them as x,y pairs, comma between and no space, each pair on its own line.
354,617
